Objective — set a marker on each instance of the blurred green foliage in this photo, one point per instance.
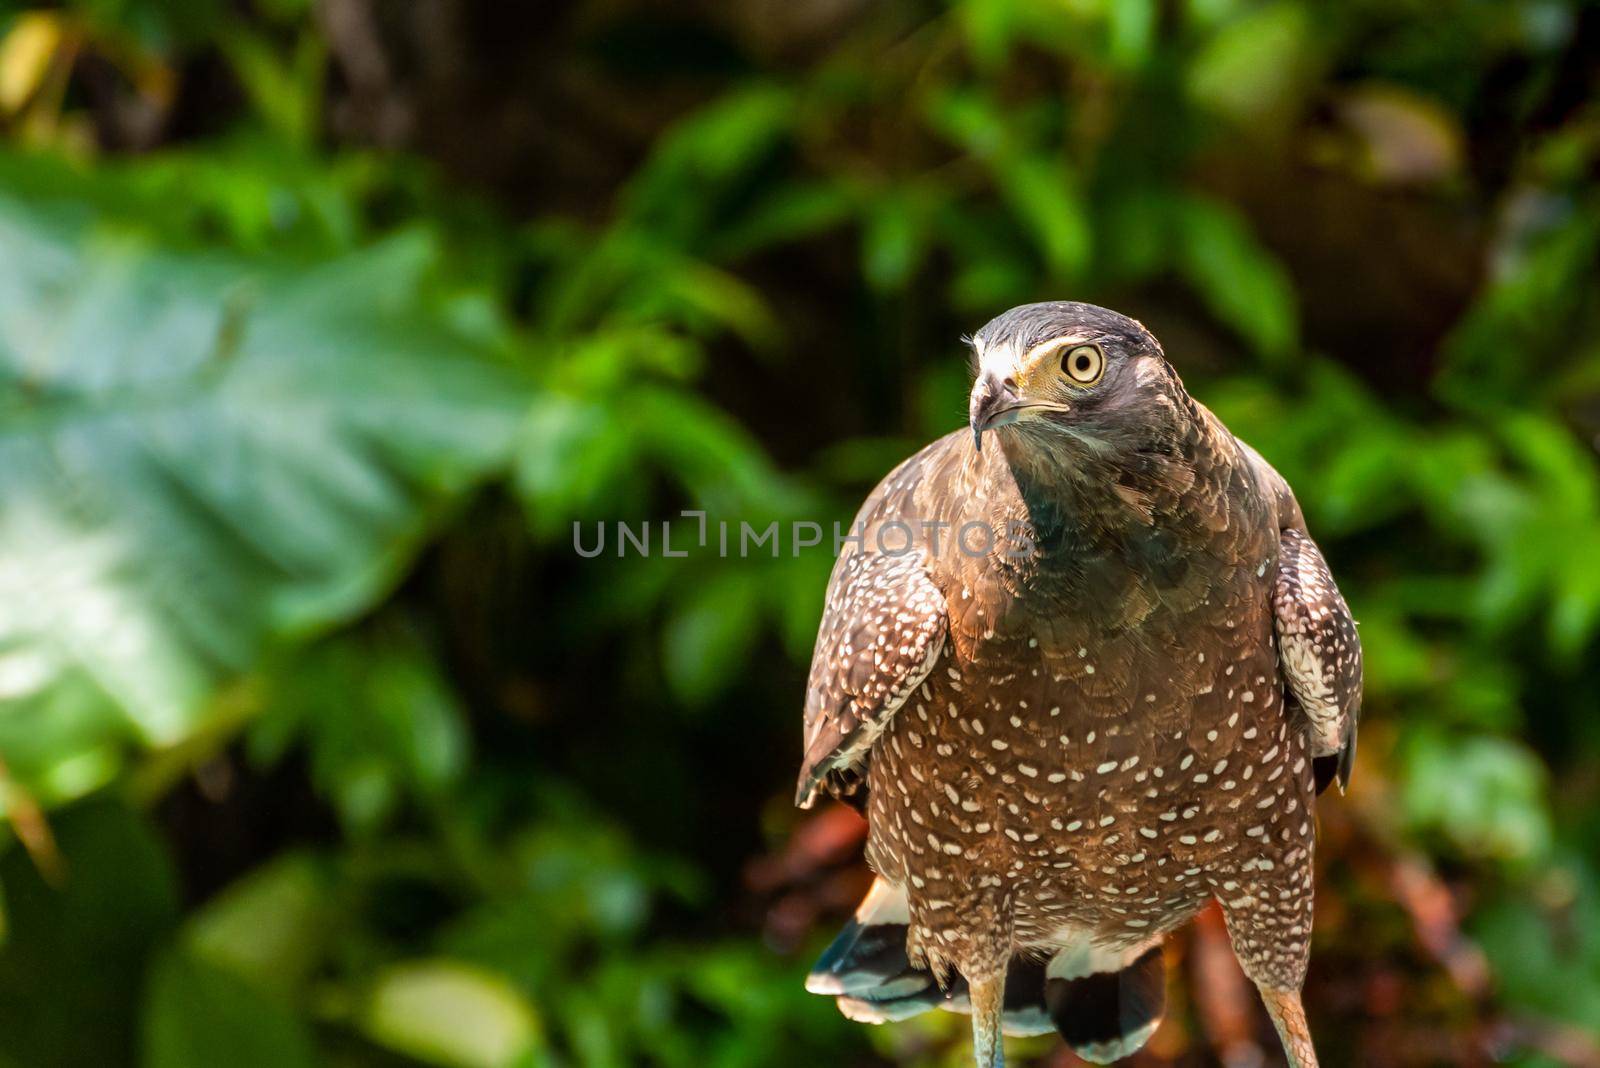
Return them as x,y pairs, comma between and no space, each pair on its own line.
319,743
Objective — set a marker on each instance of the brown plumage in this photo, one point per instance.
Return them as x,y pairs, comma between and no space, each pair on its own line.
1049,674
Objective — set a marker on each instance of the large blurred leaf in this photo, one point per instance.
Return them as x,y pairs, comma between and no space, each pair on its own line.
199,458
71,970
198,1016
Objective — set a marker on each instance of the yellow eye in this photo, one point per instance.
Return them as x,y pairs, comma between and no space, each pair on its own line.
1084,364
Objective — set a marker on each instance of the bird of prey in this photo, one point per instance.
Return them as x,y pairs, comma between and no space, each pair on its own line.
1084,671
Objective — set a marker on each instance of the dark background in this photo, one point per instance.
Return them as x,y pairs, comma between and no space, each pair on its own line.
322,323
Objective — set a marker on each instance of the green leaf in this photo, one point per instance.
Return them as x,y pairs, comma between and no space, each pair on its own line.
286,90
1131,30
791,212
197,1015
378,721
1240,281
1486,794
574,460
892,241
268,928
452,1014
1043,195
681,192
157,24
199,458
1254,68
77,951
1545,945
709,635
989,27
1539,304
1036,184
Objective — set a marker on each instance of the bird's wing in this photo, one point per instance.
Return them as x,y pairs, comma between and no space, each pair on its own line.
1319,650
882,631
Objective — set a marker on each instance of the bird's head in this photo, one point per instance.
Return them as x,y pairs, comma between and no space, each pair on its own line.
1064,373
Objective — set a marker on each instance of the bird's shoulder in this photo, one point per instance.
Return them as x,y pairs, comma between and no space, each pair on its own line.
924,486
1259,477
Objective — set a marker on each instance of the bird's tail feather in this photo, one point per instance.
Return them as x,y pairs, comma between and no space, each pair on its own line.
866,969
1105,1003
1110,1010
868,958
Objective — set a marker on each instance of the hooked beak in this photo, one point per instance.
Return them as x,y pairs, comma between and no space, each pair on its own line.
993,403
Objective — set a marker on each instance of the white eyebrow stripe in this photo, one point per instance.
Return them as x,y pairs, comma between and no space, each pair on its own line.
1055,343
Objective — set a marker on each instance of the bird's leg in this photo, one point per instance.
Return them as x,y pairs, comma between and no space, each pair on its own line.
987,993
1289,1017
